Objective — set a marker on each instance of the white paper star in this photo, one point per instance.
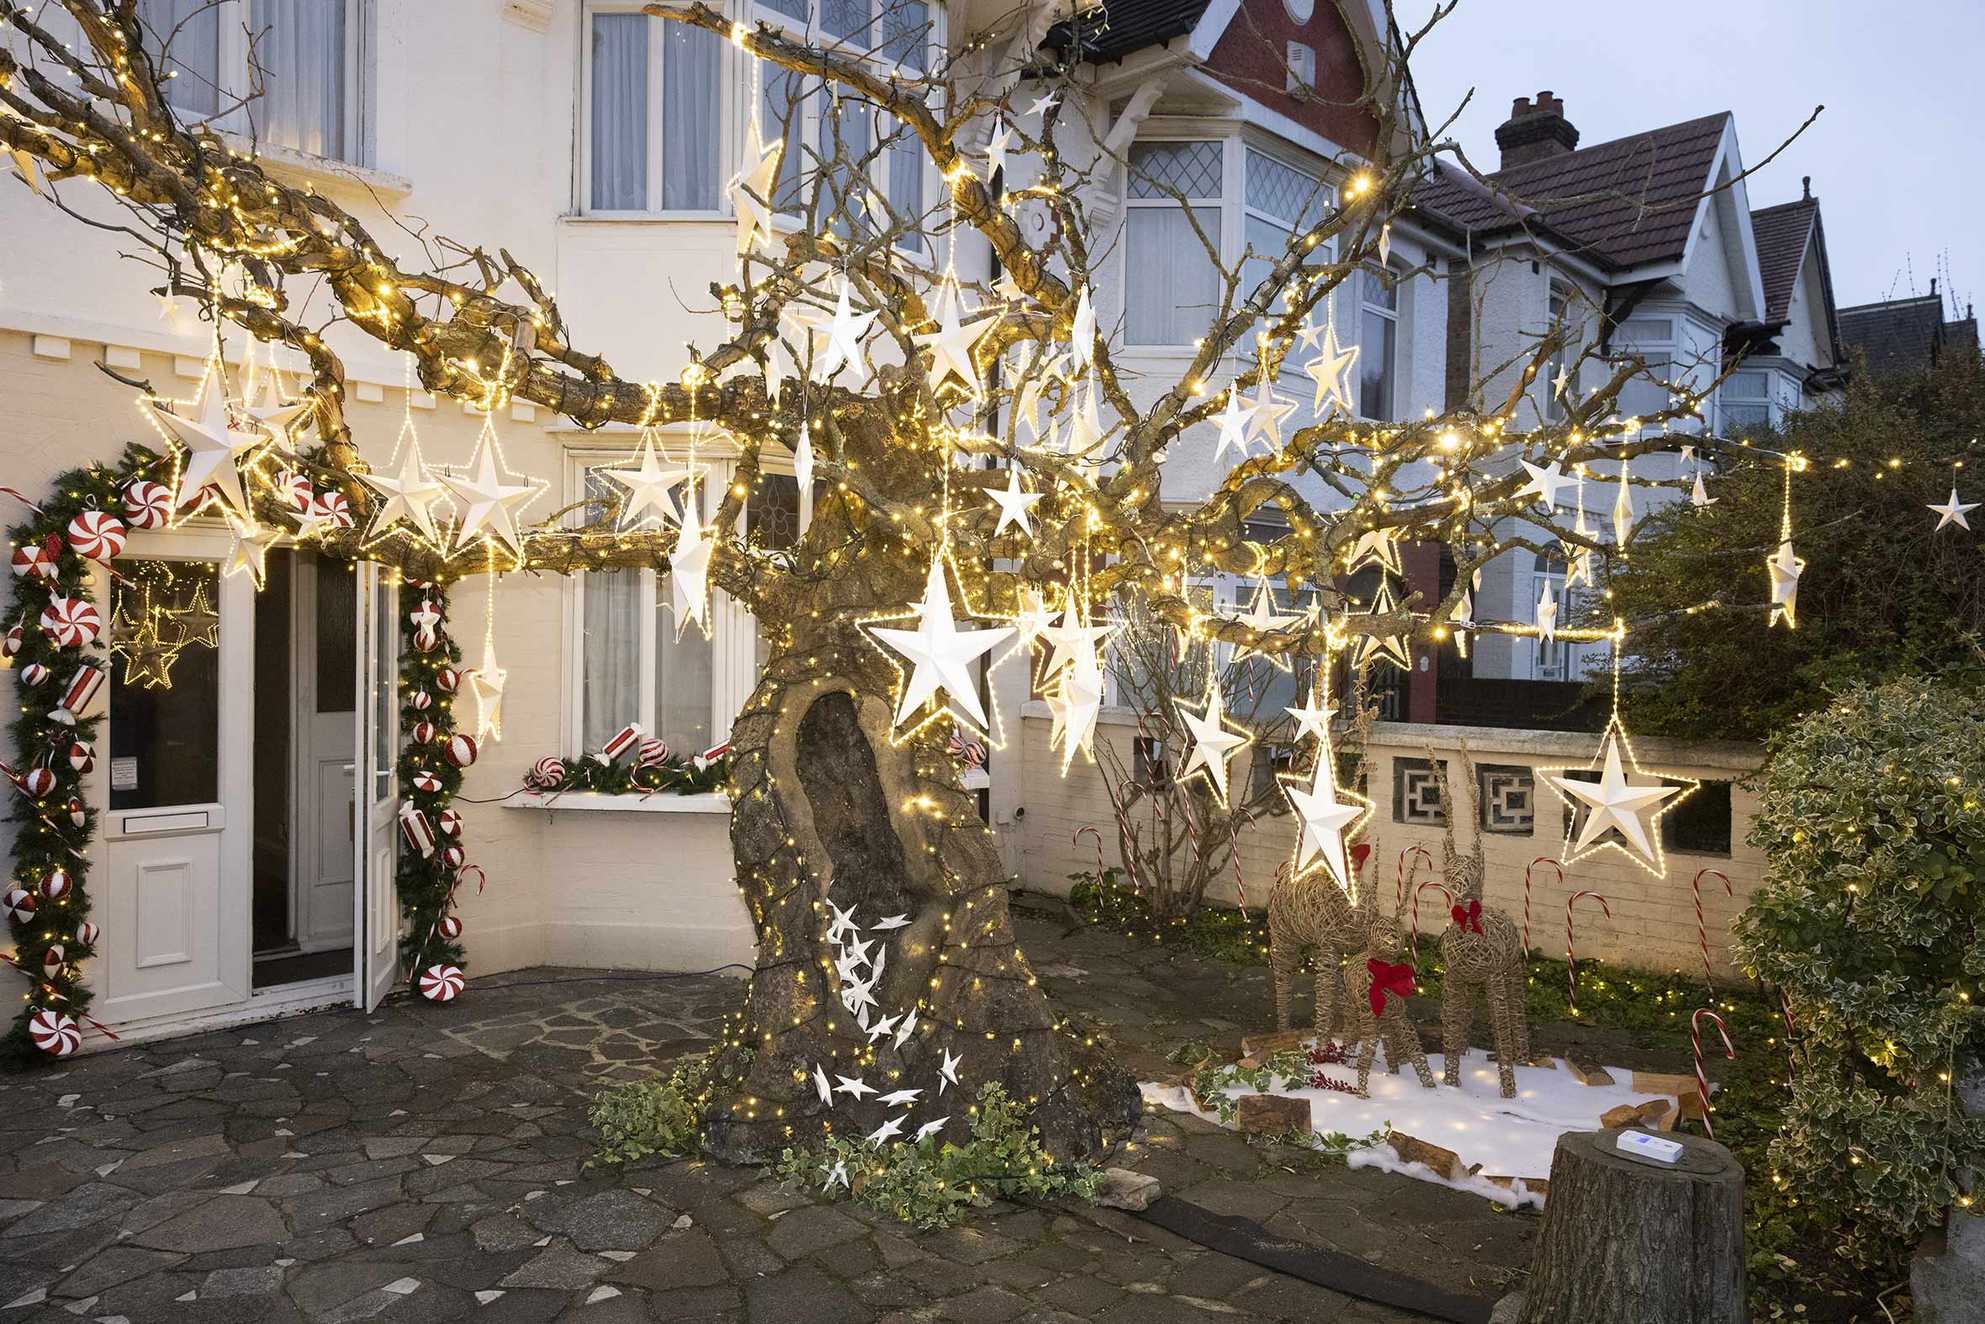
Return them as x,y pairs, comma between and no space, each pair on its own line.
1213,745
950,346
1072,639
1785,567
900,1098
1463,616
882,1029
1082,333
486,683
1042,105
1331,371
1623,510
939,653
410,494
841,345
213,446
1562,380
837,1174
1699,496
1014,503
947,1071
1547,615
929,1129
250,549
751,189
823,1086
854,1087
1379,547
276,415
1271,407
1312,720
1387,646
1612,803
1326,818
888,922
1076,707
907,1028
889,1129
1002,138
1953,511
689,565
490,504
649,486
1545,480
841,925
1264,617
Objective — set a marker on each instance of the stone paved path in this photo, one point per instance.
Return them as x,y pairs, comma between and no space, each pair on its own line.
426,1163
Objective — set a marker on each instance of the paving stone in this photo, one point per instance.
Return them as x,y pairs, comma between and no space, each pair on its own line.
1080,1294
615,1220
814,1228
682,1259
801,1293
224,1221
77,1207
558,1267
111,1266
983,1305
263,1281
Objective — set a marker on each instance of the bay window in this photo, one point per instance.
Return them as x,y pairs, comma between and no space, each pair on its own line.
307,58
1173,285
654,106
1744,400
1378,341
1279,202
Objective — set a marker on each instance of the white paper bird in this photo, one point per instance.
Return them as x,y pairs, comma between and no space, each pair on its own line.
900,1098
890,922
883,1028
888,1130
854,1086
823,1086
929,1129
947,1071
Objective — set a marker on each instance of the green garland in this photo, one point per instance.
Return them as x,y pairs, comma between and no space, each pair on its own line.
427,883
593,774
54,830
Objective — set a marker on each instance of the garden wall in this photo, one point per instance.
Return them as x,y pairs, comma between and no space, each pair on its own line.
1653,920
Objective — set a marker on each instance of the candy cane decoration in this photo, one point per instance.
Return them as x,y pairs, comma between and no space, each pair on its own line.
1405,875
1438,886
1702,929
1702,1078
1091,831
1571,955
1527,872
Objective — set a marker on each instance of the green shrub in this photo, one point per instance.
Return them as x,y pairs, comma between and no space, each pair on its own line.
662,1116
932,1183
1873,826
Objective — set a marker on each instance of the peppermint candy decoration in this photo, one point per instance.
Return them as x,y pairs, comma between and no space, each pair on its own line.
461,750
426,781
78,815
11,642
87,934
447,680
441,983
547,774
295,491
423,732
96,535
34,673
449,822
147,505
421,701
51,960
332,507
71,622
654,753
453,856
427,639
55,884
52,1032
38,560
82,756
20,904
449,928
38,782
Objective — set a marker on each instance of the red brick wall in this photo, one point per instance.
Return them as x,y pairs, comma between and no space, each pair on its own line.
1252,58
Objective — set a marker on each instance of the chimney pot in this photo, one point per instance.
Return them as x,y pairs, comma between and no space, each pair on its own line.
1536,129
1806,187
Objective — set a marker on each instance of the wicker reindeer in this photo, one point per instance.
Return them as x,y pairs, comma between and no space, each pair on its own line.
1481,949
1377,985
1310,911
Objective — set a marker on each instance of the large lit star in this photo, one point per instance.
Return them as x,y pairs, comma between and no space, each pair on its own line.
409,495
1331,371
213,446
1075,704
751,190
1614,803
490,504
1785,567
939,653
1327,812
1213,744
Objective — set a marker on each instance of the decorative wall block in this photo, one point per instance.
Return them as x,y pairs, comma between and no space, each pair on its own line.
1507,793
1416,793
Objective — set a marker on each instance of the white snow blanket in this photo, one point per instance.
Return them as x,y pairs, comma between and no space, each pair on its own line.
1506,1137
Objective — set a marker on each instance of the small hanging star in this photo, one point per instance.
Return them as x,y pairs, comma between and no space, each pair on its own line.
1213,744
1014,503
1953,511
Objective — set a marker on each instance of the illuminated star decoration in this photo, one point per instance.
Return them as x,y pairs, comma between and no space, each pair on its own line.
1545,480
996,145
1236,422
841,342
409,495
649,486
1379,547
1613,811
1953,511
939,653
1014,503
250,549
1328,813
950,345
197,622
689,565
277,415
1386,645
1213,744
489,503
1263,618
1074,638
1312,720
751,189
1623,510
1331,371
213,446
486,683
148,657
1271,407
1784,567
1075,705
1547,615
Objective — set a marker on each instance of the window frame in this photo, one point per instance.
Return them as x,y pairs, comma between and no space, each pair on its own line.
1222,203
728,143
1394,314
1324,199
1559,297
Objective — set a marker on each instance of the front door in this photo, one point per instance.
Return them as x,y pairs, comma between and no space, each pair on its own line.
376,913
323,740
174,909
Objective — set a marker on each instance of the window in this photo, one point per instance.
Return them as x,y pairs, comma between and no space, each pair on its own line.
1378,344
1563,356
1744,400
1549,662
1179,292
654,105
1279,201
1653,338
310,55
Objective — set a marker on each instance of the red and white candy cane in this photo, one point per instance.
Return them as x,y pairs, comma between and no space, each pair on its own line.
1090,831
1702,1078
1403,875
1702,929
1530,869
1571,954
1438,886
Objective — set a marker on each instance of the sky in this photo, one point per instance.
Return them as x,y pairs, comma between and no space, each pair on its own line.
1896,156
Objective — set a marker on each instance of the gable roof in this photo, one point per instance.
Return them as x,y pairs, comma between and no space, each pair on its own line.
1903,335
1784,233
1117,28
1619,204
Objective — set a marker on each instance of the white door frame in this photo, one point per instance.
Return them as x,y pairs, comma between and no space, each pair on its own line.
308,763
375,896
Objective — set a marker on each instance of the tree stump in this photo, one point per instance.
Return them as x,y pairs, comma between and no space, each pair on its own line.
1629,1242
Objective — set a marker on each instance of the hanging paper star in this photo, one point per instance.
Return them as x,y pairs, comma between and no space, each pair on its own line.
996,147
1082,333
409,495
929,1129
1547,615
1085,425
1213,745
751,189
1699,496
1312,720
490,504
1076,707
889,1129
1331,371
947,1070
1379,547
1271,407
939,653
1236,421
1073,638
1545,480
1042,105
250,549
1784,567
1386,646
649,486
213,446
1263,617
1034,618
1623,510
1562,380
486,683
1614,804
1014,503
689,566
1953,511
841,345
1328,813
950,346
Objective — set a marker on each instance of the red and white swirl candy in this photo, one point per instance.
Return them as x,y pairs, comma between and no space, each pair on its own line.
332,507
96,535
52,1032
423,733
51,960
654,753
295,491
87,934
427,639
38,782
426,781
12,641
34,673
449,928
421,701
440,983
20,904
447,680
461,750
147,505
547,774
55,884
71,622
449,822
78,813
41,560
452,857
82,756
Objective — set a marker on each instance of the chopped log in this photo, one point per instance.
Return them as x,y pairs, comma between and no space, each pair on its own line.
1630,1242
1587,1074
1261,1046
1683,1088
1412,1149
1273,1114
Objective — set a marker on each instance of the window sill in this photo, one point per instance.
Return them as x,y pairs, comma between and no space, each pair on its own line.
645,218
301,167
708,802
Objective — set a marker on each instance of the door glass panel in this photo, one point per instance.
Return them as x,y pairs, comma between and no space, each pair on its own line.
165,684
337,620
385,685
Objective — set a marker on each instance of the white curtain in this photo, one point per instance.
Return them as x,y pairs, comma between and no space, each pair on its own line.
853,121
682,685
300,46
611,654
192,30
782,110
906,186
620,113
691,118
1172,287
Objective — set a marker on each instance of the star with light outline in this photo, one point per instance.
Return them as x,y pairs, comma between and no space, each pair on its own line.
1387,646
649,485
751,189
211,444
1612,802
1263,617
1213,744
1379,547
490,504
409,496
486,683
1331,371
1073,638
939,653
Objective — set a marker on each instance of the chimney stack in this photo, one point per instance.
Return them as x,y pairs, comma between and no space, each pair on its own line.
1535,130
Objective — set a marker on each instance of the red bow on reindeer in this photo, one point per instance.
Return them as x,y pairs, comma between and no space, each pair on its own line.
1468,918
1389,978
